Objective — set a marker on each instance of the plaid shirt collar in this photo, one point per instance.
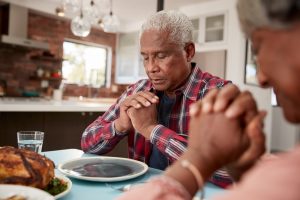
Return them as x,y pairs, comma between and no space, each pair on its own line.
190,86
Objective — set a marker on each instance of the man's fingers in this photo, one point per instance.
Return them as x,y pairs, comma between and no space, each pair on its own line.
140,99
225,97
134,103
129,111
149,96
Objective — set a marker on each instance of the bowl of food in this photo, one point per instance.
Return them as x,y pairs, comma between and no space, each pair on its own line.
20,167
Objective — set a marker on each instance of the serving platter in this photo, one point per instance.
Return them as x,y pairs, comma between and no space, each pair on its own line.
103,169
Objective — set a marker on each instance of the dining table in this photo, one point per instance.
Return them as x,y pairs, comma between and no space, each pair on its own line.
93,190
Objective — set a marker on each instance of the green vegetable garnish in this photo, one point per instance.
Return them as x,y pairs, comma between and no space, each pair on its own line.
56,186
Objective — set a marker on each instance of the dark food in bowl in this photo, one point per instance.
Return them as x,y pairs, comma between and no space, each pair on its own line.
24,167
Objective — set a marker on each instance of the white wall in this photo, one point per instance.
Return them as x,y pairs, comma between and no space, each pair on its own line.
235,54
284,134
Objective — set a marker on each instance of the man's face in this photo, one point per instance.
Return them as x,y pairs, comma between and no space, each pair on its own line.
279,66
166,64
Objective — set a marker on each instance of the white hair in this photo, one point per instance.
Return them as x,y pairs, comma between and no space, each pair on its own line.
178,25
254,14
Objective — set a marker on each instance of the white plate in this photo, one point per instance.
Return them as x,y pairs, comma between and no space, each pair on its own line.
69,183
103,169
29,193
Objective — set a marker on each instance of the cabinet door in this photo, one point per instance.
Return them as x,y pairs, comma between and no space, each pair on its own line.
63,130
12,122
214,28
212,32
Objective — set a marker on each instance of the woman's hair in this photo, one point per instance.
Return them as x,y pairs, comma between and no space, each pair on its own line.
254,14
178,25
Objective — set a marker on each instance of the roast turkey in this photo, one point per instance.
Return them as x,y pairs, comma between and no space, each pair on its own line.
24,167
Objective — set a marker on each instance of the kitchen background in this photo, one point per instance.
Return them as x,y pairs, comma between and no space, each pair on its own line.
32,72
20,66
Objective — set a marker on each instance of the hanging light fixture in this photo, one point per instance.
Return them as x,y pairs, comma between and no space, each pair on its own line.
91,12
111,22
71,5
88,13
60,11
80,26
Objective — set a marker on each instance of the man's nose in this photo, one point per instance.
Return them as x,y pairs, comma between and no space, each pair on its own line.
152,65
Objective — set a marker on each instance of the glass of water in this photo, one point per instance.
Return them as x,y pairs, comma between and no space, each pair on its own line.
31,140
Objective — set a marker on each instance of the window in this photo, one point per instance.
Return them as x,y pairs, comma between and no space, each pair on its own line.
86,64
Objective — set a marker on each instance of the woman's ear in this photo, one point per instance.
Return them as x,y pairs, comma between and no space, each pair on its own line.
190,51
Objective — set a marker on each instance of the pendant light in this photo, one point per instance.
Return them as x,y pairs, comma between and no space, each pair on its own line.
92,13
71,5
80,26
111,22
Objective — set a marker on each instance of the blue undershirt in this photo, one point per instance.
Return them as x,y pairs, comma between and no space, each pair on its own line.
157,159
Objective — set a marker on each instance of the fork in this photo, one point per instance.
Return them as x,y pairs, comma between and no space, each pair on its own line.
123,188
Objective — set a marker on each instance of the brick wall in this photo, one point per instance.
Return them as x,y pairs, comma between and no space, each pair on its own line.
18,66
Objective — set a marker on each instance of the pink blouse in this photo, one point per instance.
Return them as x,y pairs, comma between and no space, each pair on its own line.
274,179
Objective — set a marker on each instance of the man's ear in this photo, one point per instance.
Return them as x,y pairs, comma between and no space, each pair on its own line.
190,51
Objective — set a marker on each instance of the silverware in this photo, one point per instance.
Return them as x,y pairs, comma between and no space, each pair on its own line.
123,188
129,186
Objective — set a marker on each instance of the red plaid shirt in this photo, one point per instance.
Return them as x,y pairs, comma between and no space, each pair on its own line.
100,137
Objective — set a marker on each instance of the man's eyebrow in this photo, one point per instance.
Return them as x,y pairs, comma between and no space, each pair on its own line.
155,52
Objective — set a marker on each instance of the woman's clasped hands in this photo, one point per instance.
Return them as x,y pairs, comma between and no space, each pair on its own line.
226,129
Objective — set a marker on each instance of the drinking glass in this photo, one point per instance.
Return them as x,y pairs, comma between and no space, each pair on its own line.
31,140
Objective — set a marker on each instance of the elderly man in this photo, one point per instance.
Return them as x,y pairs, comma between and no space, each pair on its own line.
154,113
274,29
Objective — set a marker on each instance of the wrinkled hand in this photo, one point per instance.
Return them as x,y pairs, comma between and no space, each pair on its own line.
143,119
138,100
237,105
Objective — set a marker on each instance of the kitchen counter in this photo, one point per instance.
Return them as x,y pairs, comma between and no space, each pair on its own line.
8,104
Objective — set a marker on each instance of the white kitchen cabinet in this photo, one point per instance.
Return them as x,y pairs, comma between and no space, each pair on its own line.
210,31
210,40
129,65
